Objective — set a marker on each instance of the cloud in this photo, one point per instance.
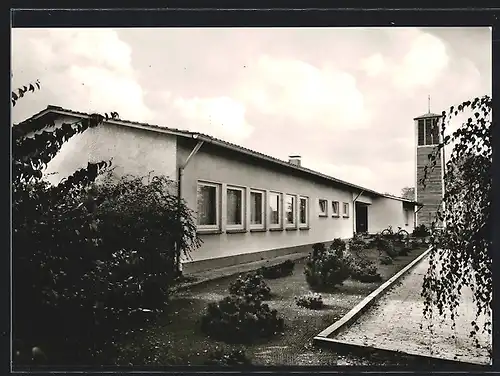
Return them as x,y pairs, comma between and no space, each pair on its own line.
422,63
300,91
373,65
221,116
87,70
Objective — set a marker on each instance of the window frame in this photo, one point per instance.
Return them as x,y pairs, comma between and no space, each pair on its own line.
218,207
321,213
336,213
255,226
306,223
294,212
232,227
345,213
271,225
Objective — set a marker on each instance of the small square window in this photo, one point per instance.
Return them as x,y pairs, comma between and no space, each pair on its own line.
323,207
335,208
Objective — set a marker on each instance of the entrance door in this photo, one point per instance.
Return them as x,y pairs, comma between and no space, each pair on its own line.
361,217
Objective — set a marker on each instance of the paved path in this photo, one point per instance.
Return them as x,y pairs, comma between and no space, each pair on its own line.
394,323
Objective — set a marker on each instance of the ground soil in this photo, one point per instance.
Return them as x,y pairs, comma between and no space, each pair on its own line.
176,336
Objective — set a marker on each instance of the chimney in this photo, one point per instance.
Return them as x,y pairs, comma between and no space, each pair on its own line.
294,159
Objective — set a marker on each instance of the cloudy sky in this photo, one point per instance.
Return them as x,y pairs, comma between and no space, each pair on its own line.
344,99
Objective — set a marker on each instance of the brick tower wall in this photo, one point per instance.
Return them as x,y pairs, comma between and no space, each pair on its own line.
431,196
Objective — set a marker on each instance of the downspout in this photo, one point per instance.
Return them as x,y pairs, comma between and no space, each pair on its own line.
354,213
180,171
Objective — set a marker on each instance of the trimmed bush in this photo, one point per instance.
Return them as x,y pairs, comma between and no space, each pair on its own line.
311,301
405,250
277,271
235,319
228,357
421,231
251,286
328,269
364,270
386,260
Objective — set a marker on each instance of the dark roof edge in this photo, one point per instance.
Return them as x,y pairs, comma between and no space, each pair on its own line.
428,115
215,141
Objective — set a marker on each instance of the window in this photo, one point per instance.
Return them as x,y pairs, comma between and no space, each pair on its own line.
290,210
335,208
235,208
428,132
303,212
421,132
208,206
407,217
346,209
275,210
256,209
323,205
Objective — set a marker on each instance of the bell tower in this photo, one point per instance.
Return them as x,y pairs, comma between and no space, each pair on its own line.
427,137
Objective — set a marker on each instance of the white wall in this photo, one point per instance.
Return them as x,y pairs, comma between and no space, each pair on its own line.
386,211
134,151
216,165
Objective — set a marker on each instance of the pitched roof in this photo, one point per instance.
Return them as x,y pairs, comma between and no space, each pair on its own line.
23,128
427,115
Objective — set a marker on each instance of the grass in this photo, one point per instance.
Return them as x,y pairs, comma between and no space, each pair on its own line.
177,337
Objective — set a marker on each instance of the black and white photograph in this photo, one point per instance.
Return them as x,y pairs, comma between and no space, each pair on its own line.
251,197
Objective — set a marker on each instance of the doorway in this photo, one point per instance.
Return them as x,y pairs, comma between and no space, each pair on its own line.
361,218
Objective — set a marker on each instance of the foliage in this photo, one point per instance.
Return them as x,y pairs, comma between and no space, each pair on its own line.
385,245
20,92
277,271
364,270
421,231
405,249
386,260
329,268
252,286
408,193
236,319
150,350
311,301
88,257
463,250
228,357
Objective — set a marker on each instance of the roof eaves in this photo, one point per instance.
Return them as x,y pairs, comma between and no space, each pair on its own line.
204,137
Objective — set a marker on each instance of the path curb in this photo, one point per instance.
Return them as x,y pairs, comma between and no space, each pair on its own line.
363,349
361,307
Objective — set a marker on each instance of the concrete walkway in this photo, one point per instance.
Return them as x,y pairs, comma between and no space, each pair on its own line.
394,323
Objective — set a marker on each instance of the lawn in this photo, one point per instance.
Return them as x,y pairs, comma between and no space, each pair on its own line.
176,337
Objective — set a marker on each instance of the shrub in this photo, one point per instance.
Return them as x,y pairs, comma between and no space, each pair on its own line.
94,259
364,270
228,357
405,250
328,269
421,231
277,271
357,246
311,301
318,250
251,286
387,246
386,260
235,319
